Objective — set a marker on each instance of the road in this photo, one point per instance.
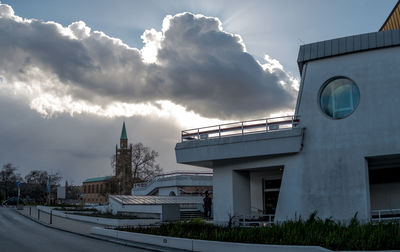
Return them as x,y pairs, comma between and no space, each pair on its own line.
18,233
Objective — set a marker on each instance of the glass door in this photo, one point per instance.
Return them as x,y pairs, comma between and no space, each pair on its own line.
271,194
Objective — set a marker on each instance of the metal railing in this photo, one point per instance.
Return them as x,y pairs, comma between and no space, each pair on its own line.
385,215
241,128
259,220
142,186
156,200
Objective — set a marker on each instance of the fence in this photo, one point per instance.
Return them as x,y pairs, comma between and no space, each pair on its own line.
241,128
385,215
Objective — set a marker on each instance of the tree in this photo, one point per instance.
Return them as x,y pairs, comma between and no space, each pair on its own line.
8,181
144,165
36,185
41,177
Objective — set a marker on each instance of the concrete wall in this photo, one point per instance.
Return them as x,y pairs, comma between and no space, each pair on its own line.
252,145
97,220
332,164
170,212
200,245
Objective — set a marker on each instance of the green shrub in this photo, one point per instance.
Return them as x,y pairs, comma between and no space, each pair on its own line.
313,231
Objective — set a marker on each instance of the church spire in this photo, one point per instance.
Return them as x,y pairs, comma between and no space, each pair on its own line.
123,133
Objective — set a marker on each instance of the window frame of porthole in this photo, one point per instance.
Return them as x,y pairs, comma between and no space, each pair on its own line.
322,88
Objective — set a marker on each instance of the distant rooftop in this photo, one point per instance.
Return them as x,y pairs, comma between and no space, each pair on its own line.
98,179
156,200
393,20
123,132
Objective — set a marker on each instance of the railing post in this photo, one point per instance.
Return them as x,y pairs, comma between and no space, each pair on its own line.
38,214
219,130
242,129
51,216
198,134
181,136
30,210
266,125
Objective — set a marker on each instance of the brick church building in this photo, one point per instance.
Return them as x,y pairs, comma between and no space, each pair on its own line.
96,190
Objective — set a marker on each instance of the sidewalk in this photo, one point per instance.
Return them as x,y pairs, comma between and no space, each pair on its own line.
74,226
83,228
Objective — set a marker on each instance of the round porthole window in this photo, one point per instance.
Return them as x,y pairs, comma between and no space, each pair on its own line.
339,97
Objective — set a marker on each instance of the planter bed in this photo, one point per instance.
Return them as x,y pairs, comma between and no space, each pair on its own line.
312,232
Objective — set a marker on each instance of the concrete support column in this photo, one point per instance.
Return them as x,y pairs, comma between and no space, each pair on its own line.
231,195
222,195
241,192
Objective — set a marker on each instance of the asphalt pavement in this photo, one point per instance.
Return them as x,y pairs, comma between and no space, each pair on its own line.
18,233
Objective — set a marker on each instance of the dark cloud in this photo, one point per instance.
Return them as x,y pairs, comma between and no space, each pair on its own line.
78,147
50,68
199,66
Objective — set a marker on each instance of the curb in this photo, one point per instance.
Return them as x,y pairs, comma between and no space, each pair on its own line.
188,244
104,238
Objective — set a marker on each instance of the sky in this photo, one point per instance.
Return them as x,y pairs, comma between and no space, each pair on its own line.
72,71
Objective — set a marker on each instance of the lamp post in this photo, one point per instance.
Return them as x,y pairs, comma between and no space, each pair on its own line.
19,193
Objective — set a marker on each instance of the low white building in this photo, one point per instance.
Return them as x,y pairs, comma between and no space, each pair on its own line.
171,196
339,154
165,208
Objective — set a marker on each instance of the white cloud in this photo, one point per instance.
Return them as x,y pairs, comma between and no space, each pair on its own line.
192,66
271,64
190,74
152,40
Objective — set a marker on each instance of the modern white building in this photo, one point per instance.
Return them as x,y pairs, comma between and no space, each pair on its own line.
182,183
339,154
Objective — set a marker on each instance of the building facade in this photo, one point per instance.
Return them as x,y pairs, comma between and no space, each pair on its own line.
123,165
339,154
96,190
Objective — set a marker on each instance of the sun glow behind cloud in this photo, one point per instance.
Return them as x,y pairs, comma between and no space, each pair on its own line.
191,71
48,105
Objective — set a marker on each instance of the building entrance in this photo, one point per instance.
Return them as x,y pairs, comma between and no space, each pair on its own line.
384,187
271,187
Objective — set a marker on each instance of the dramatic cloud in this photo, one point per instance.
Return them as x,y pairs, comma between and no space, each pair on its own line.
191,64
77,147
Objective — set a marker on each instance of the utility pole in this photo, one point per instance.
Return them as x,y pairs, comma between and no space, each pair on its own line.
48,189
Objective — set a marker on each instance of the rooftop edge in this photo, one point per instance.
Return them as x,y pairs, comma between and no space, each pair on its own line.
347,45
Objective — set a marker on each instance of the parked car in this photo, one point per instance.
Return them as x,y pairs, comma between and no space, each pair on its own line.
13,201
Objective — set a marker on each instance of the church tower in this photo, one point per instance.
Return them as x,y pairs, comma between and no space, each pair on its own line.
123,164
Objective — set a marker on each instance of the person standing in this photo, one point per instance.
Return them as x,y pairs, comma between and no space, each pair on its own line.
207,202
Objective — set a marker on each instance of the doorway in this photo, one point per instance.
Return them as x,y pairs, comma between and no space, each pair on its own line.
384,186
271,186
